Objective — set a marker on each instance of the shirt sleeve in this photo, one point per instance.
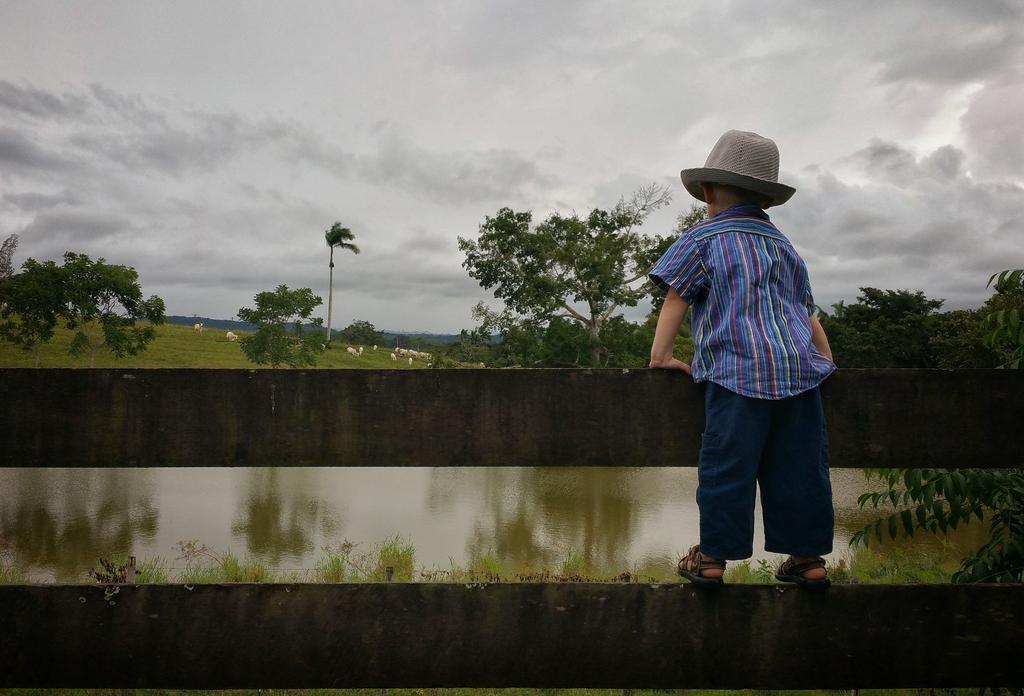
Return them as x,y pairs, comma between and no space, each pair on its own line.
682,269
809,297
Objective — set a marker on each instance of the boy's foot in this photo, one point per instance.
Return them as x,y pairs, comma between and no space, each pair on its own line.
701,569
808,571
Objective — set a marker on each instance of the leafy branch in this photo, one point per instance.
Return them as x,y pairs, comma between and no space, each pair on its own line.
1006,326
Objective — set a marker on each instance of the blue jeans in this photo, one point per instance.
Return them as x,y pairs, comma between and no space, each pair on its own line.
781,446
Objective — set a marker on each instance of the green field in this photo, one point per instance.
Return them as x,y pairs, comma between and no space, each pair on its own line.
181,346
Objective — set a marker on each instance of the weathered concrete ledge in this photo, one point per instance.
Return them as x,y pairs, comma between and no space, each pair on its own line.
80,418
510,635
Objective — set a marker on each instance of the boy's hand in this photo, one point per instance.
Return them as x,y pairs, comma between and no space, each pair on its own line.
670,364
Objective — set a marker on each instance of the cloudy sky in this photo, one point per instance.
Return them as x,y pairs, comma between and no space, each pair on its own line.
209,145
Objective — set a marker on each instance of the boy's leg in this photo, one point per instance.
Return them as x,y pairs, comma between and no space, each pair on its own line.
796,494
734,436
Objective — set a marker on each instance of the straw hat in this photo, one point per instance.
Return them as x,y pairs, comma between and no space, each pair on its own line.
747,160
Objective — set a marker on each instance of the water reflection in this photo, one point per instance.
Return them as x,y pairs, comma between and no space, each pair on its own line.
279,515
63,520
536,516
57,522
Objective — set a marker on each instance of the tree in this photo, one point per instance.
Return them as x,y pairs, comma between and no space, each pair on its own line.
340,237
957,340
102,303
7,250
1004,317
578,269
361,332
937,500
885,328
473,347
272,343
31,303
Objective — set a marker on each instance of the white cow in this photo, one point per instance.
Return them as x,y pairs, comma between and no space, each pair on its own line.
231,336
198,328
410,361
360,350
375,347
352,351
394,357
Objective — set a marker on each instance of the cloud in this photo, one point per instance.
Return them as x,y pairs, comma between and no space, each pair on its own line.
945,163
19,152
54,231
127,107
919,222
511,33
948,54
105,126
214,170
33,201
31,101
992,125
421,240
143,141
452,177
198,142
887,161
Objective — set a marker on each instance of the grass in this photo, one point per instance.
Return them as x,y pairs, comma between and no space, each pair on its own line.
760,573
348,562
10,574
228,568
330,570
393,553
575,565
890,564
153,571
901,566
487,566
181,346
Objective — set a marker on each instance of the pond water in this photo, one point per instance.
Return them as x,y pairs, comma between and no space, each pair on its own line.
56,522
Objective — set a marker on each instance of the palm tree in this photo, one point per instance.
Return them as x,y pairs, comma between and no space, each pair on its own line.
340,237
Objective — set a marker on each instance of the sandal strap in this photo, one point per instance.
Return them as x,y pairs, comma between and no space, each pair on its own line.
694,562
791,567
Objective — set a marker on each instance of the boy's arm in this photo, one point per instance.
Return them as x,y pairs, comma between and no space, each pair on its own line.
819,339
672,313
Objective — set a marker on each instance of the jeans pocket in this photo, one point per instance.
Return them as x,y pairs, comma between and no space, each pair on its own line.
709,438
710,443
710,447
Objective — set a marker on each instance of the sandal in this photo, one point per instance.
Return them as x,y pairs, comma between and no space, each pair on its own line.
791,571
691,565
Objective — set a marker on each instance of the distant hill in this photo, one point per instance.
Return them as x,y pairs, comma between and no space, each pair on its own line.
416,340
391,338
207,322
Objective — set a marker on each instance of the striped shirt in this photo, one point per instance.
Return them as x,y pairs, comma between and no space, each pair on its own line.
751,301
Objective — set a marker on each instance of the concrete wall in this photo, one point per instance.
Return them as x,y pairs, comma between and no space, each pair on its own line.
78,417
511,635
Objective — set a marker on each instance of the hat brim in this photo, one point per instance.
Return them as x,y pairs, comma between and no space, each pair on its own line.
693,178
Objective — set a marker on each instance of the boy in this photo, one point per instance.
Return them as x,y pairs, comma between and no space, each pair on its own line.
762,353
